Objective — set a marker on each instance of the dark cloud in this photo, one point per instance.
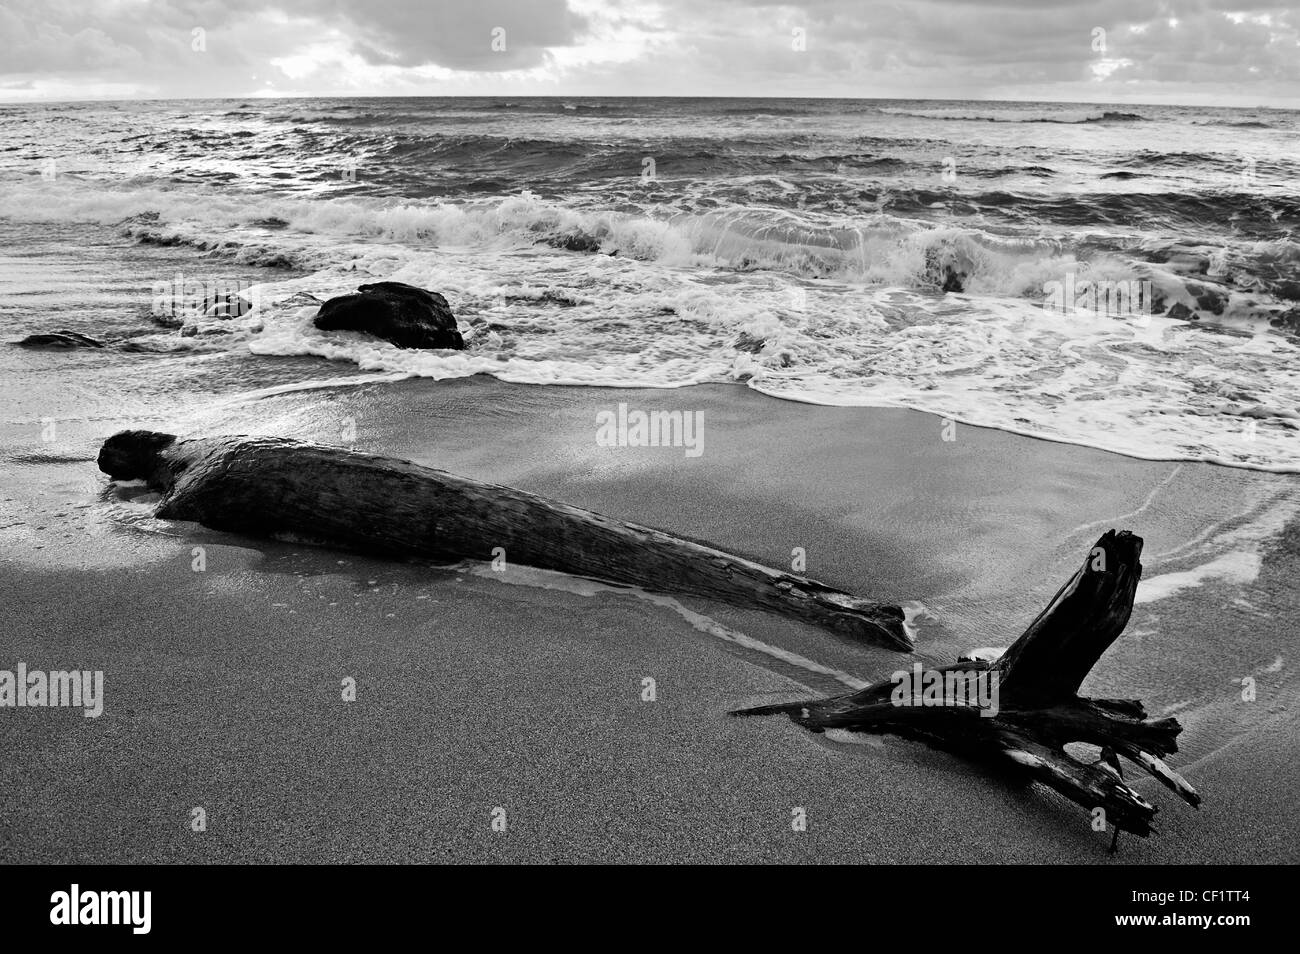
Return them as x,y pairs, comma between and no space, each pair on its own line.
481,35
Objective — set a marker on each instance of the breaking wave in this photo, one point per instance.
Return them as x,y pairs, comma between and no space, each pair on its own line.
883,248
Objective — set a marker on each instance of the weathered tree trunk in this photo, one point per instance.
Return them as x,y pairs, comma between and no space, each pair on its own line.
264,486
1024,708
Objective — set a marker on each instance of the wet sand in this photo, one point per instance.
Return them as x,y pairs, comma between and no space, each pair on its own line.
477,691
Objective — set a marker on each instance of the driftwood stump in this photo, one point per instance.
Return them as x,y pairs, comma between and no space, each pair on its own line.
1033,687
266,486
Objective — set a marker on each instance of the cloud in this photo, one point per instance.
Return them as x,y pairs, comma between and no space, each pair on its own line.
35,44
1208,50
476,35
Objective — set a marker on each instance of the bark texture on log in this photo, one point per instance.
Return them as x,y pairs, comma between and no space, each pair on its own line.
1035,684
264,486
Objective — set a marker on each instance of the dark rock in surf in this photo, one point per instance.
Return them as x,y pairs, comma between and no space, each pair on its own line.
1208,299
1180,312
941,266
407,316
576,242
1287,290
1288,320
176,305
62,340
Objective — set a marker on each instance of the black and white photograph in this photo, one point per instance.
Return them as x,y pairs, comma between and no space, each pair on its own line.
650,432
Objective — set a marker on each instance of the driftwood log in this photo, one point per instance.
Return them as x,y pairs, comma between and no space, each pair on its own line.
1023,707
267,486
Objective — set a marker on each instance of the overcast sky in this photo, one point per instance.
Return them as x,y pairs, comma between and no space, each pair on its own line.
1203,52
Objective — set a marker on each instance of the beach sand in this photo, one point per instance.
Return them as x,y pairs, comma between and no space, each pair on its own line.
521,691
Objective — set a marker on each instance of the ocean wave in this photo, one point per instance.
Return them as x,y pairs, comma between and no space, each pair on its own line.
1069,117
1233,124
764,109
886,247
1253,214
1147,158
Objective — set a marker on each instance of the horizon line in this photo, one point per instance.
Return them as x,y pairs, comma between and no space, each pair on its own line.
257,97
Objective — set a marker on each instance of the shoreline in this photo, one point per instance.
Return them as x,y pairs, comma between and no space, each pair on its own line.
475,694
1047,438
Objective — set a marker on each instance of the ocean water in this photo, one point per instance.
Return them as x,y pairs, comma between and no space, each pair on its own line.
1124,278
